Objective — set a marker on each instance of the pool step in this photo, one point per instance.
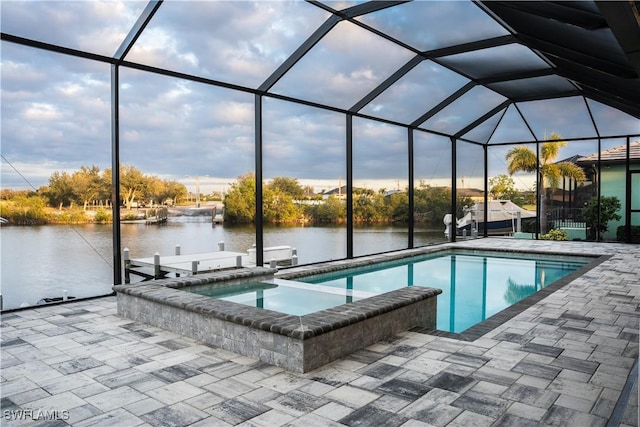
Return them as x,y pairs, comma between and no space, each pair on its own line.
320,288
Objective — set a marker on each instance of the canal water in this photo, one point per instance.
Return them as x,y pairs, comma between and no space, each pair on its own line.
45,261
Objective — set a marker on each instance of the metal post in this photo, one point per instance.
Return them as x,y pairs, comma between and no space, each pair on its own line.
156,265
485,232
115,174
258,166
127,265
177,253
349,148
411,193
454,189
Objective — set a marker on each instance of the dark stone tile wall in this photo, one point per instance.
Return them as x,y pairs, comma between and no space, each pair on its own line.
297,343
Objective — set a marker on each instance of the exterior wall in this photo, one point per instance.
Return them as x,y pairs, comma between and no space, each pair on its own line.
613,183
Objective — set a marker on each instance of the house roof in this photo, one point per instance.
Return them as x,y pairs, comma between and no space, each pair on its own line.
615,154
337,190
470,192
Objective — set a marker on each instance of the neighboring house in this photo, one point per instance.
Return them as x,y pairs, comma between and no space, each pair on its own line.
339,192
613,179
474,194
390,193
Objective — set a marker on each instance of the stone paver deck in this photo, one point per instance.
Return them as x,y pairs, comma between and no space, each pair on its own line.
567,360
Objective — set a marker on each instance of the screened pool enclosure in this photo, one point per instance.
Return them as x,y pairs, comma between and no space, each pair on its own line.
400,112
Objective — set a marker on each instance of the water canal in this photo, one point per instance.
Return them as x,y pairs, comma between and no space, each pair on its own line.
43,261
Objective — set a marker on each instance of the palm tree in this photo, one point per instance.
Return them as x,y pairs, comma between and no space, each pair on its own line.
521,158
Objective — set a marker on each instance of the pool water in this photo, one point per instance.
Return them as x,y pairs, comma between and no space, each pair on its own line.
475,286
284,296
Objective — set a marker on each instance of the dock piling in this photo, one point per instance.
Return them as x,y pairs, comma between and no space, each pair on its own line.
177,249
221,246
239,261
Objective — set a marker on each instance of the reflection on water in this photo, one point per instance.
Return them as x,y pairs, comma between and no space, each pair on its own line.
42,261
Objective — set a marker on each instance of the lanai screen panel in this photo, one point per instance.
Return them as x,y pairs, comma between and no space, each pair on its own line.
236,42
380,180
534,87
483,63
610,121
512,127
427,25
343,67
195,132
464,110
421,89
91,26
568,117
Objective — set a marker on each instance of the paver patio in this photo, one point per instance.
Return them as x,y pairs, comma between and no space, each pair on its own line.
567,360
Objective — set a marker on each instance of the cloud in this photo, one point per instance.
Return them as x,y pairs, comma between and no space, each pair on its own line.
56,109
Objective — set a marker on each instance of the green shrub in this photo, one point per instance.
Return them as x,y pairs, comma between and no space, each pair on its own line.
608,209
622,230
24,210
102,216
555,234
72,216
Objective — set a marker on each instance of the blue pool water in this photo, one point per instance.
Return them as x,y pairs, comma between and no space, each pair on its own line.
475,286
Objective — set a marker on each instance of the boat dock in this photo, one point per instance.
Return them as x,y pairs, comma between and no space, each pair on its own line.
158,267
146,216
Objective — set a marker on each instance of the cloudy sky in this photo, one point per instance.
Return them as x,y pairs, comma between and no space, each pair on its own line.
56,109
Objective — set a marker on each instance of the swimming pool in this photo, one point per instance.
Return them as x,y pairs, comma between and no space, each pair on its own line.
475,285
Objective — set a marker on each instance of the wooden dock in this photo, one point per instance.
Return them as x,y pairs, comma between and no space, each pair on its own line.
160,216
158,267
217,217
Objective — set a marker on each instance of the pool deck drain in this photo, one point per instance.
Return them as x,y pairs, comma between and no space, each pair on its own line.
564,360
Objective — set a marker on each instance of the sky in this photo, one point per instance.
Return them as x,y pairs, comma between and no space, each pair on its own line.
56,109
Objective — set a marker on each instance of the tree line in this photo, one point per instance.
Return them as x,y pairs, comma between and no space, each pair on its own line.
72,194
68,197
286,201
89,186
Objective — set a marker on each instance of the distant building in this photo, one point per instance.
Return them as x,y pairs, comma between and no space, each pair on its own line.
613,180
392,192
339,192
474,194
